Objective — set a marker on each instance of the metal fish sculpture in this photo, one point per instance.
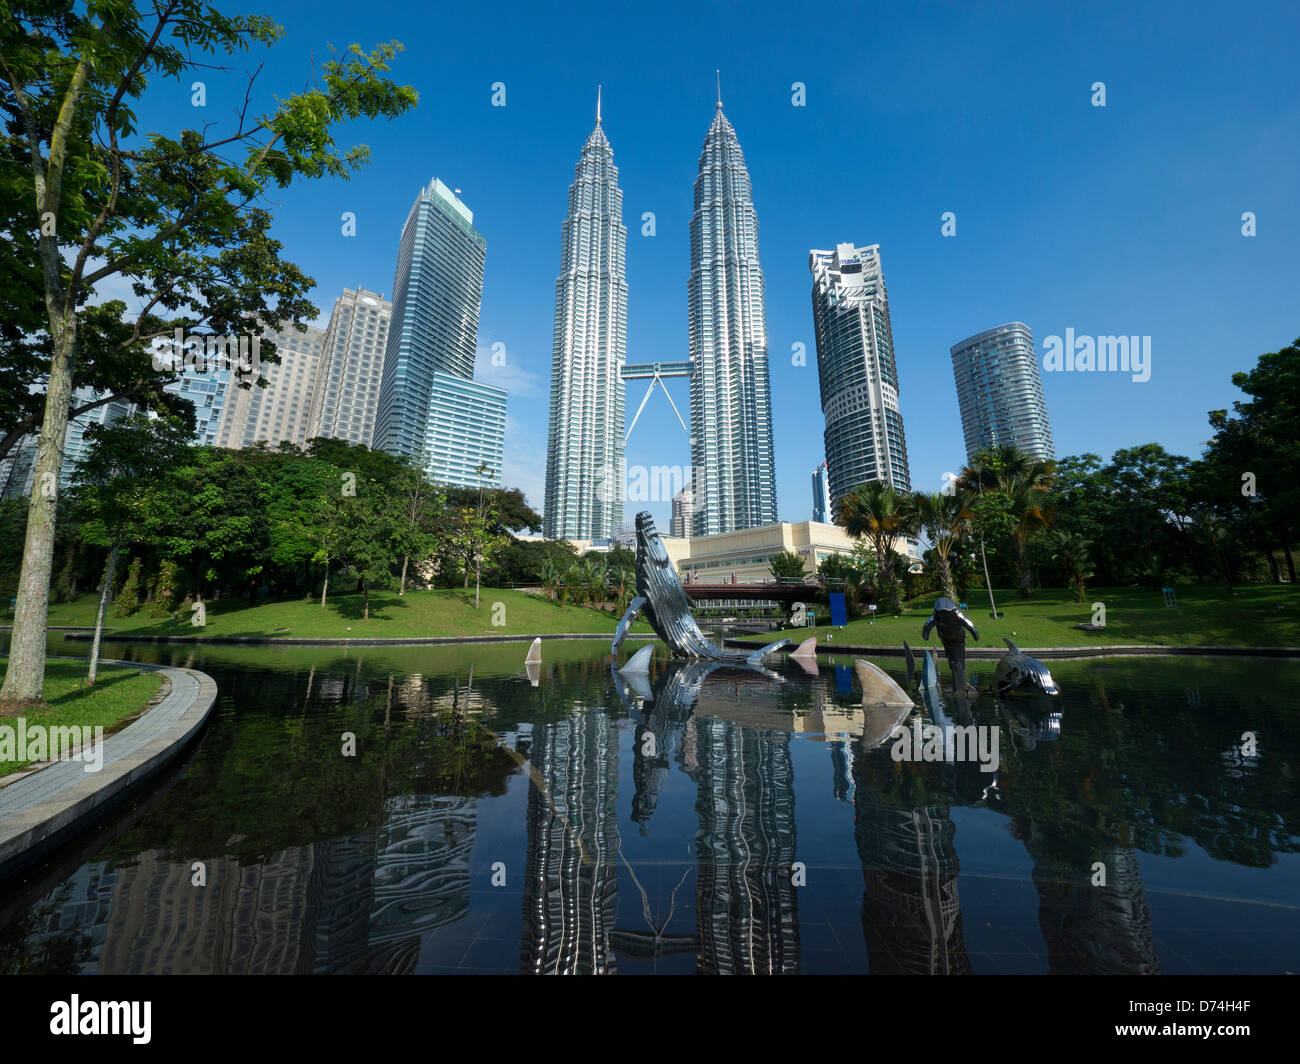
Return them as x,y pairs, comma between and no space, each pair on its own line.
663,602
1018,672
953,626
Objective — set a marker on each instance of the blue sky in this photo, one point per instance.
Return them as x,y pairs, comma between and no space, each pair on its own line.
1117,220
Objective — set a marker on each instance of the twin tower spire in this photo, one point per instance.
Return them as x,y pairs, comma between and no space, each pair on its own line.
731,471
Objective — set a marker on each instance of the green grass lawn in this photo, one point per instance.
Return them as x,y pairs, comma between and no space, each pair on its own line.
417,614
119,694
1267,615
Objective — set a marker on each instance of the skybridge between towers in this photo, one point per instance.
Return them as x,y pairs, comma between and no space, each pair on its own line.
656,373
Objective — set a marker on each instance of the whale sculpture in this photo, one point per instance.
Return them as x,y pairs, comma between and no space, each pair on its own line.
953,626
1017,671
663,602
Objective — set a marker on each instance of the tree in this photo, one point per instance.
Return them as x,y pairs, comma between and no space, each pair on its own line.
944,519
112,480
786,566
1071,550
876,511
182,219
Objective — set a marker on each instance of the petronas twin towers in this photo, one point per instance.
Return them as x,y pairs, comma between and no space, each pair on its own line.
734,479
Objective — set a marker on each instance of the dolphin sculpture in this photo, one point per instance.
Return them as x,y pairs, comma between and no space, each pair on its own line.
953,626
663,602
1017,671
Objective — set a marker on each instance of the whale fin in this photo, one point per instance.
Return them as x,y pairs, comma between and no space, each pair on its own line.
640,661
910,660
534,652
757,657
1010,645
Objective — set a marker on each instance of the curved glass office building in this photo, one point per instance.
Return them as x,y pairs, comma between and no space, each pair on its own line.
434,322
856,370
1000,392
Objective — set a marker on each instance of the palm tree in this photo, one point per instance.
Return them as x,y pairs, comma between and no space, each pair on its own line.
1029,512
624,584
877,511
594,574
550,577
1024,481
575,577
944,518
1071,550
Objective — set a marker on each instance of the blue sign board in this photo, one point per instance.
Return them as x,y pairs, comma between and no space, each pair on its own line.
843,680
839,611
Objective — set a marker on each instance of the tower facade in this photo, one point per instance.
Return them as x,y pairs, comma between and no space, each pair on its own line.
346,396
585,470
731,405
856,370
1000,392
434,327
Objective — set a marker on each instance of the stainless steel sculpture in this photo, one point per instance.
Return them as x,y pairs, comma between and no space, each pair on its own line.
953,626
1017,671
663,602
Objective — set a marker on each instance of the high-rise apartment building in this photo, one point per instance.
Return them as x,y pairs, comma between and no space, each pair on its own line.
345,400
821,489
434,327
682,524
1000,392
276,413
856,370
731,403
466,432
585,470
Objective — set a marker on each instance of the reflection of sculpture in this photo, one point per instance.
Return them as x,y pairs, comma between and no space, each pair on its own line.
665,605
953,626
1017,671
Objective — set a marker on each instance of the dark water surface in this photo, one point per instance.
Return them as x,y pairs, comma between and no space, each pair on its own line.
729,823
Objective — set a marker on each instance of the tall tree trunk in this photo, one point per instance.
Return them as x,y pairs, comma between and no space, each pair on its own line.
945,577
324,588
25,678
104,596
1286,553
365,609
1272,566
1026,589
401,588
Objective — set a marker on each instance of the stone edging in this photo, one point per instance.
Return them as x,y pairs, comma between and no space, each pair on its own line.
990,653
417,641
41,810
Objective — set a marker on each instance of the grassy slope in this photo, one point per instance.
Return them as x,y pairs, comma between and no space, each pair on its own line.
414,615
117,695
1206,616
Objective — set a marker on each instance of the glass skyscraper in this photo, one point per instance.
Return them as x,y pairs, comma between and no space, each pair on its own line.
821,490
585,471
856,370
1000,392
731,403
434,325
466,430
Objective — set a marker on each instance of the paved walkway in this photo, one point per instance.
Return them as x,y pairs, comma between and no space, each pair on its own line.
43,807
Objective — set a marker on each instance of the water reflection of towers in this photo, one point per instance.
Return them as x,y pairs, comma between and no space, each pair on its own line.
571,886
911,914
747,911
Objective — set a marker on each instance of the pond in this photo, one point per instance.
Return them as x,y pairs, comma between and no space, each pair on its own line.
724,821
